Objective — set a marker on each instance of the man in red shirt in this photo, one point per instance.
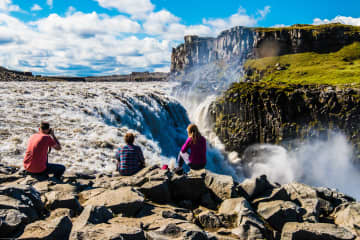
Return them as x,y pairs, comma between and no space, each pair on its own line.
36,156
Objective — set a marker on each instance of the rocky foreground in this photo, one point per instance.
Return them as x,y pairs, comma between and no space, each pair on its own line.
156,204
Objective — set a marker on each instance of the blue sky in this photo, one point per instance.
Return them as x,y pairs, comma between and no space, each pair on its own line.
102,37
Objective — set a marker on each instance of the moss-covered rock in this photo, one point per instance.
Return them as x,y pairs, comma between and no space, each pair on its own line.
250,113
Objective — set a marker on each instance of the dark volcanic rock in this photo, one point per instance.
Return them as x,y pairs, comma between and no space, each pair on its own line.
315,231
126,201
251,113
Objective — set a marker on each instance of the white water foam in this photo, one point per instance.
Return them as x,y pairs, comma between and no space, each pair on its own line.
90,120
317,163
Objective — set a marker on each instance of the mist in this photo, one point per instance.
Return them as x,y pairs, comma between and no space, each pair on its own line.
326,163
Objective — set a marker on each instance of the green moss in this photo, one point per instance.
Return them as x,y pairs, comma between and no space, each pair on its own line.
338,68
315,28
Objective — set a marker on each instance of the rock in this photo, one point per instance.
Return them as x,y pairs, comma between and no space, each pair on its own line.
58,228
254,187
308,199
348,216
210,220
186,231
315,231
188,187
92,215
275,195
171,214
248,224
22,198
222,186
56,199
11,220
87,194
5,178
24,193
126,201
277,213
157,191
108,232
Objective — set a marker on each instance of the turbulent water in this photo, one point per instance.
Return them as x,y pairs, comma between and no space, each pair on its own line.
90,120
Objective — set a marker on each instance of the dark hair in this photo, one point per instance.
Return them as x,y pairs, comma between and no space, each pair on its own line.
44,125
194,133
129,138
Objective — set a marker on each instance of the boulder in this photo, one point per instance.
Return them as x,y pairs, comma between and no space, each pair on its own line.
58,228
210,220
126,201
255,187
348,216
88,194
11,220
277,213
24,193
92,215
157,191
186,231
57,199
315,231
330,199
108,232
307,198
188,187
247,223
222,186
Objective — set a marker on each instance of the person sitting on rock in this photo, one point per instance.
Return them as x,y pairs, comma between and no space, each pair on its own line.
36,155
130,158
197,145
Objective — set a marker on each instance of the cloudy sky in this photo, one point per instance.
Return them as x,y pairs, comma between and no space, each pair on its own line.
102,37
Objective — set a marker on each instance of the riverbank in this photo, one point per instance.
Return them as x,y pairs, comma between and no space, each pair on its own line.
157,204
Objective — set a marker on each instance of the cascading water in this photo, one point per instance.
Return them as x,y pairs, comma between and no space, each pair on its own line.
90,120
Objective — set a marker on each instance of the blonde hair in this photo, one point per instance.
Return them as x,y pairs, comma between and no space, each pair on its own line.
194,133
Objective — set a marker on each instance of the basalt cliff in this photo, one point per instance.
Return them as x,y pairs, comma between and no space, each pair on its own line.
295,82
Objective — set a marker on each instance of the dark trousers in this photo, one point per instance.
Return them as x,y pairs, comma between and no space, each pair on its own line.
51,168
181,162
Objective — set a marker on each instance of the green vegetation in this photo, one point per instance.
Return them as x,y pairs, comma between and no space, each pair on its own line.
315,28
338,68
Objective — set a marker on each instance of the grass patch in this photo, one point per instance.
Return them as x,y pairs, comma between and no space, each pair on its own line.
338,68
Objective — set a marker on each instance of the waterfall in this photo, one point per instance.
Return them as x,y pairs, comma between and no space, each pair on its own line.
90,120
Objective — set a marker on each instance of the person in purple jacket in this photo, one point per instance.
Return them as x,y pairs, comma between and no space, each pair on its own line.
197,145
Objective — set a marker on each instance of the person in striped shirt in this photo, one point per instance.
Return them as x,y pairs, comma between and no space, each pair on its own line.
130,158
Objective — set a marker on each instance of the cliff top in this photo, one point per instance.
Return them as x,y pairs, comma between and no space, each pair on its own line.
337,68
309,27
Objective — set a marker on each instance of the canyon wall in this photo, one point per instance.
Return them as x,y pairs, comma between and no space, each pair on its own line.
241,43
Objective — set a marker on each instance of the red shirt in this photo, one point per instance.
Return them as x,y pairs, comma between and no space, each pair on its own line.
36,153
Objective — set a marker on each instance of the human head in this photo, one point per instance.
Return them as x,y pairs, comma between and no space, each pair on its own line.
44,127
129,138
193,132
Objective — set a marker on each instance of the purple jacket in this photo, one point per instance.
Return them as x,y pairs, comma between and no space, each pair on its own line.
198,150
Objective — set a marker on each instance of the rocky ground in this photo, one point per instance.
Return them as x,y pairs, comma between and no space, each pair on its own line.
156,204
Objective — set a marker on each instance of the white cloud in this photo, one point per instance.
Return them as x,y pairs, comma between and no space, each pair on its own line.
264,12
136,8
36,7
91,43
338,19
241,18
50,3
7,6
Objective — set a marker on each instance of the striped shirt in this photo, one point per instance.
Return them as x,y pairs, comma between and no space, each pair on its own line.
130,159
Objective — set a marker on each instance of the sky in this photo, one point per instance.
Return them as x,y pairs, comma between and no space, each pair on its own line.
108,37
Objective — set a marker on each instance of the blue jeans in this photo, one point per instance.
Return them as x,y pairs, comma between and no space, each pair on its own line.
51,168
